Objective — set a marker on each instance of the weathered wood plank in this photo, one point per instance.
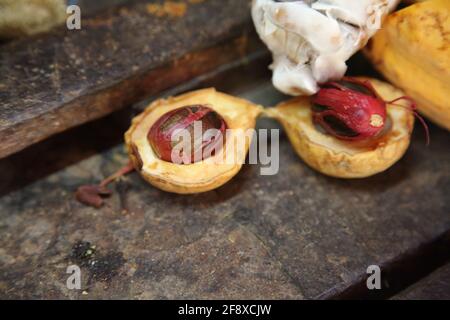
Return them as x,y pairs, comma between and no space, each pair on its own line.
436,286
297,234
56,81
402,271
89,7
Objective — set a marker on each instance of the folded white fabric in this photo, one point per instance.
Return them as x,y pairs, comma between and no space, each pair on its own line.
312,40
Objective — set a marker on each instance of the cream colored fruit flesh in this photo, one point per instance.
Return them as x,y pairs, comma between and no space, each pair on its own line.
312,40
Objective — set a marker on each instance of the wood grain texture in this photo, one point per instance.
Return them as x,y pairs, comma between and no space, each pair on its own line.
56,81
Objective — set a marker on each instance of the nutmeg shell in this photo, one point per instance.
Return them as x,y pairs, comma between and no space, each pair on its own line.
202,176
346,159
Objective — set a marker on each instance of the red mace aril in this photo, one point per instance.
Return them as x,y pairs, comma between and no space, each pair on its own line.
92,195
187,118
351,109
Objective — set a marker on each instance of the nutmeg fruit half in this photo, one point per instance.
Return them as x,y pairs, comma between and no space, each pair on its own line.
150,147
342,158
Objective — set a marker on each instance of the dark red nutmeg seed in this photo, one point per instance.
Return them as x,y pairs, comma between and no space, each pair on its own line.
186,118
349,109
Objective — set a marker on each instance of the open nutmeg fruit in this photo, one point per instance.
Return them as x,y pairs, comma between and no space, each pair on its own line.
343,127
353,128
212,125
198,141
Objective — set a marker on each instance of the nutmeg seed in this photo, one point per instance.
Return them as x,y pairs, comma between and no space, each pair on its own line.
193,121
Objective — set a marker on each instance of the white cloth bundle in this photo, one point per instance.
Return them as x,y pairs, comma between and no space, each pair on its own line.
312,40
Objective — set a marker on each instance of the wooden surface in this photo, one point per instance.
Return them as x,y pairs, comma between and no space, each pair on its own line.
436,286
53,82
296,235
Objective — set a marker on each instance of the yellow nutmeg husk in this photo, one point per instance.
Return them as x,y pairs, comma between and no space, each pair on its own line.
412,50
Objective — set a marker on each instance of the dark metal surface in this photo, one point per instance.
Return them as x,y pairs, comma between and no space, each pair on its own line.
296,235
53,82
